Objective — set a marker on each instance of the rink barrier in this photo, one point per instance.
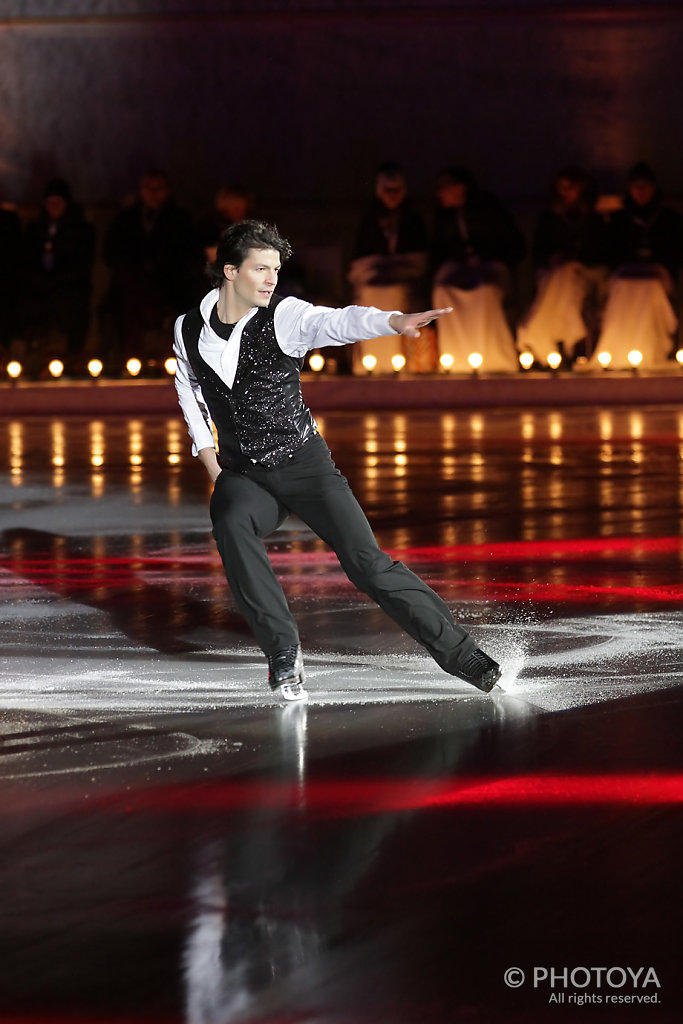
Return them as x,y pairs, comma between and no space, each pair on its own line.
151,397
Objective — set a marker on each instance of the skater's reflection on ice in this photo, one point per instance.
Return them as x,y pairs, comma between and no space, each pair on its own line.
278,888
250,927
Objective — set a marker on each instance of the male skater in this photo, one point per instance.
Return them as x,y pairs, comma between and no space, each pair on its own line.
239,357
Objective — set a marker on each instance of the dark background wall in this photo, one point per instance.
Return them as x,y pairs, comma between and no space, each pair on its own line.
302,100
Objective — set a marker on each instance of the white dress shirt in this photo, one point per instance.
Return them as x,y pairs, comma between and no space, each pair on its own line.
299,327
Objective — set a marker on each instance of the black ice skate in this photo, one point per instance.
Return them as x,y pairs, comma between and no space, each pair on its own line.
286,674
480,670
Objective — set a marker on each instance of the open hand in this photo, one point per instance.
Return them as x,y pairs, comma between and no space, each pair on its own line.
410,323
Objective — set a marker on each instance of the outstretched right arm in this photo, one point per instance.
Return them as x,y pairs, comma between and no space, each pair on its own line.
301,326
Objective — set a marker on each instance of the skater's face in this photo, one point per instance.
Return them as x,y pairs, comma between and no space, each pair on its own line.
253,283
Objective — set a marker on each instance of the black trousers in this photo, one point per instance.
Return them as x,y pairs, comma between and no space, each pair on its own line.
246,507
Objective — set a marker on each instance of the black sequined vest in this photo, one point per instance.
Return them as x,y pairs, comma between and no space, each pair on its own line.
262,417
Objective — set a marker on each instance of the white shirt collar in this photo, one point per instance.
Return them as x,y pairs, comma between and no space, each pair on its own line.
206,308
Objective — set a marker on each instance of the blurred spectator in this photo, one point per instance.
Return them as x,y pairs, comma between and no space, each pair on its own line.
570,258
231,204
10,256
58,254
389,266
645,241
154,256
476,246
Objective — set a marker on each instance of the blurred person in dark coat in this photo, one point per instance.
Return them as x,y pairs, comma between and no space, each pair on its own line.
475,248
10,256
645,252
154,256
58,255
570,259
389,264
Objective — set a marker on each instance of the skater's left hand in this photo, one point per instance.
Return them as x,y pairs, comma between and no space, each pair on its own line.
410,323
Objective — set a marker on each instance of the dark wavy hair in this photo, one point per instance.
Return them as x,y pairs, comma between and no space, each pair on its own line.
236,241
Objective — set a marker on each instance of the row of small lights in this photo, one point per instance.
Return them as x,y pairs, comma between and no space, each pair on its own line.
95,367
635,358
476,361
317,362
